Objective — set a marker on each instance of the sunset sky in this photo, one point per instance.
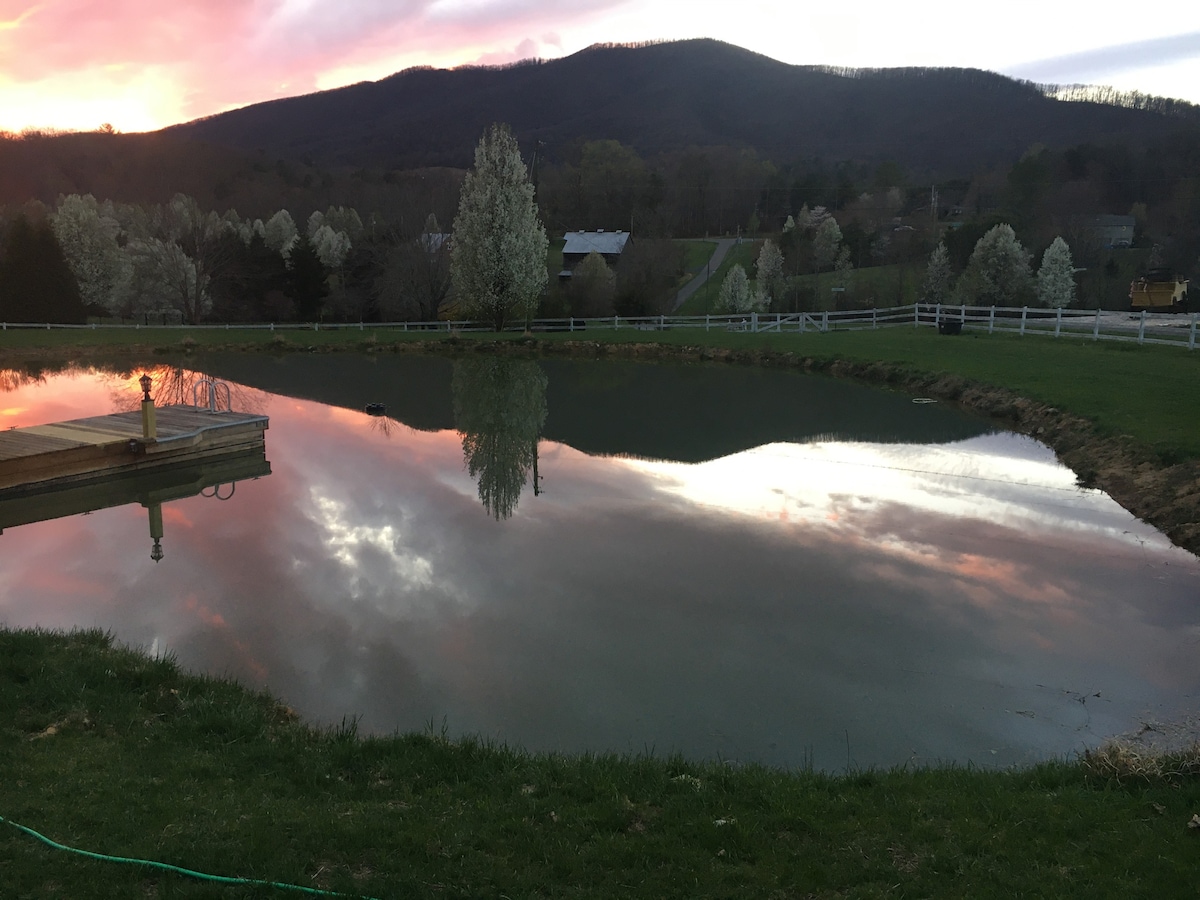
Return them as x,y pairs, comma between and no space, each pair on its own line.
144,64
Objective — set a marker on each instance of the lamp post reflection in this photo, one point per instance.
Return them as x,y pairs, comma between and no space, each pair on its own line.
499,409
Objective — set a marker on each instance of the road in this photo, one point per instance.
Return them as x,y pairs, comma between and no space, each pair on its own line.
714,263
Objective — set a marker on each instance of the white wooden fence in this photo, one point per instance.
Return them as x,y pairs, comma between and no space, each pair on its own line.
1097,325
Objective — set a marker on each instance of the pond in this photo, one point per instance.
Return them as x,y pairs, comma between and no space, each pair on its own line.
723,562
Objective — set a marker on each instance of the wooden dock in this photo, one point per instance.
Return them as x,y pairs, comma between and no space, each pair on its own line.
99,447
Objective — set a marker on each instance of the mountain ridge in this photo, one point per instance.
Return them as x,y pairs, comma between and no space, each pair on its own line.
662,98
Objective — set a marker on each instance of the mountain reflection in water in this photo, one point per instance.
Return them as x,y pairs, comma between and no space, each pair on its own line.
832,601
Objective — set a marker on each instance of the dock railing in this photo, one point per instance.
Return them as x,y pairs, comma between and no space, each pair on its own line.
1097,325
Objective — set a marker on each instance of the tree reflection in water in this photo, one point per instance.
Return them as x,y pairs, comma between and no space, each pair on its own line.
499,408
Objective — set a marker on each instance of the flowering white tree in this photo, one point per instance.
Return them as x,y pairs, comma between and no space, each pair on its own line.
827,241
164,273
769,271
735,296
1056,277
280,233
498,255
937,276
998,272
332,246
88,236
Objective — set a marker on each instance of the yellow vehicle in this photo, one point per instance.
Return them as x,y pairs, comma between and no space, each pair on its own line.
1159,291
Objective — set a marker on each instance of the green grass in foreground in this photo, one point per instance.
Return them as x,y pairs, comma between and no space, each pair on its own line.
1151,393
107,750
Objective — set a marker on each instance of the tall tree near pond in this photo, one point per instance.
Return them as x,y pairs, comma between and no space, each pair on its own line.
498,258
1056,277
998,271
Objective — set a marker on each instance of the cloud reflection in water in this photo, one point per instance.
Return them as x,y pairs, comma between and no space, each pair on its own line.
834,601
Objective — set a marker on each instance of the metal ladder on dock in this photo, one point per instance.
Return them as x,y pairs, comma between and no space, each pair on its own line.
214,392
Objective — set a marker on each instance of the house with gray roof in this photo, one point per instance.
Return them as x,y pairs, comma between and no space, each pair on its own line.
609,244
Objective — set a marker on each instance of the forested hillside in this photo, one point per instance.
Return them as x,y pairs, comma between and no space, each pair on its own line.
664,98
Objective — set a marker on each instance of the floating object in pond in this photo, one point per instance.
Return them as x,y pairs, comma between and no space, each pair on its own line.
924,400
375,409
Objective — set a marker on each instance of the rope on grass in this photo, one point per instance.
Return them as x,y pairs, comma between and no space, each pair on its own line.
178,870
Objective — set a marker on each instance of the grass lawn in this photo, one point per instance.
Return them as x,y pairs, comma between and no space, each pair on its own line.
109,751
696,254
879,286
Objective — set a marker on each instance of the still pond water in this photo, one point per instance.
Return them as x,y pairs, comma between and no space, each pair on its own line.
734,563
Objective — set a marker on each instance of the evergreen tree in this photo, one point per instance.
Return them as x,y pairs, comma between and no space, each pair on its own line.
36,284
1056,277
307,280
498,257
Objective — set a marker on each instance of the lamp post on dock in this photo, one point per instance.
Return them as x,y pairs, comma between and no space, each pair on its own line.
149,422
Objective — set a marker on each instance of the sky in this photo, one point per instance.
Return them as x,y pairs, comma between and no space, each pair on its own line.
144,64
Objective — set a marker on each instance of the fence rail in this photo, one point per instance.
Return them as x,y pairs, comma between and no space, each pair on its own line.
1096,325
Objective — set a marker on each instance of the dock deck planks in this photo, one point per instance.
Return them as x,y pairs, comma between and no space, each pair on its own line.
97,445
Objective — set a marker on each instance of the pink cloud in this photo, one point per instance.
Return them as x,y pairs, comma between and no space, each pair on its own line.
216,54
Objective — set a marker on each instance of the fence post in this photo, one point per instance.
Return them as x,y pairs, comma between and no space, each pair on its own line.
1058,322
662,323
754,322
706,321
1096,327
800,330
962,314
825,320
572,328
1192,335
1024,313
615,322
874,319
992,320
916,315
1142,327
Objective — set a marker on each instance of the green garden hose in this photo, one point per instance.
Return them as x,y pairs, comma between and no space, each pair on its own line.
166,867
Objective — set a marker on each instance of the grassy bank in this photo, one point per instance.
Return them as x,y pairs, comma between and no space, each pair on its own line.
107,750
1150,393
